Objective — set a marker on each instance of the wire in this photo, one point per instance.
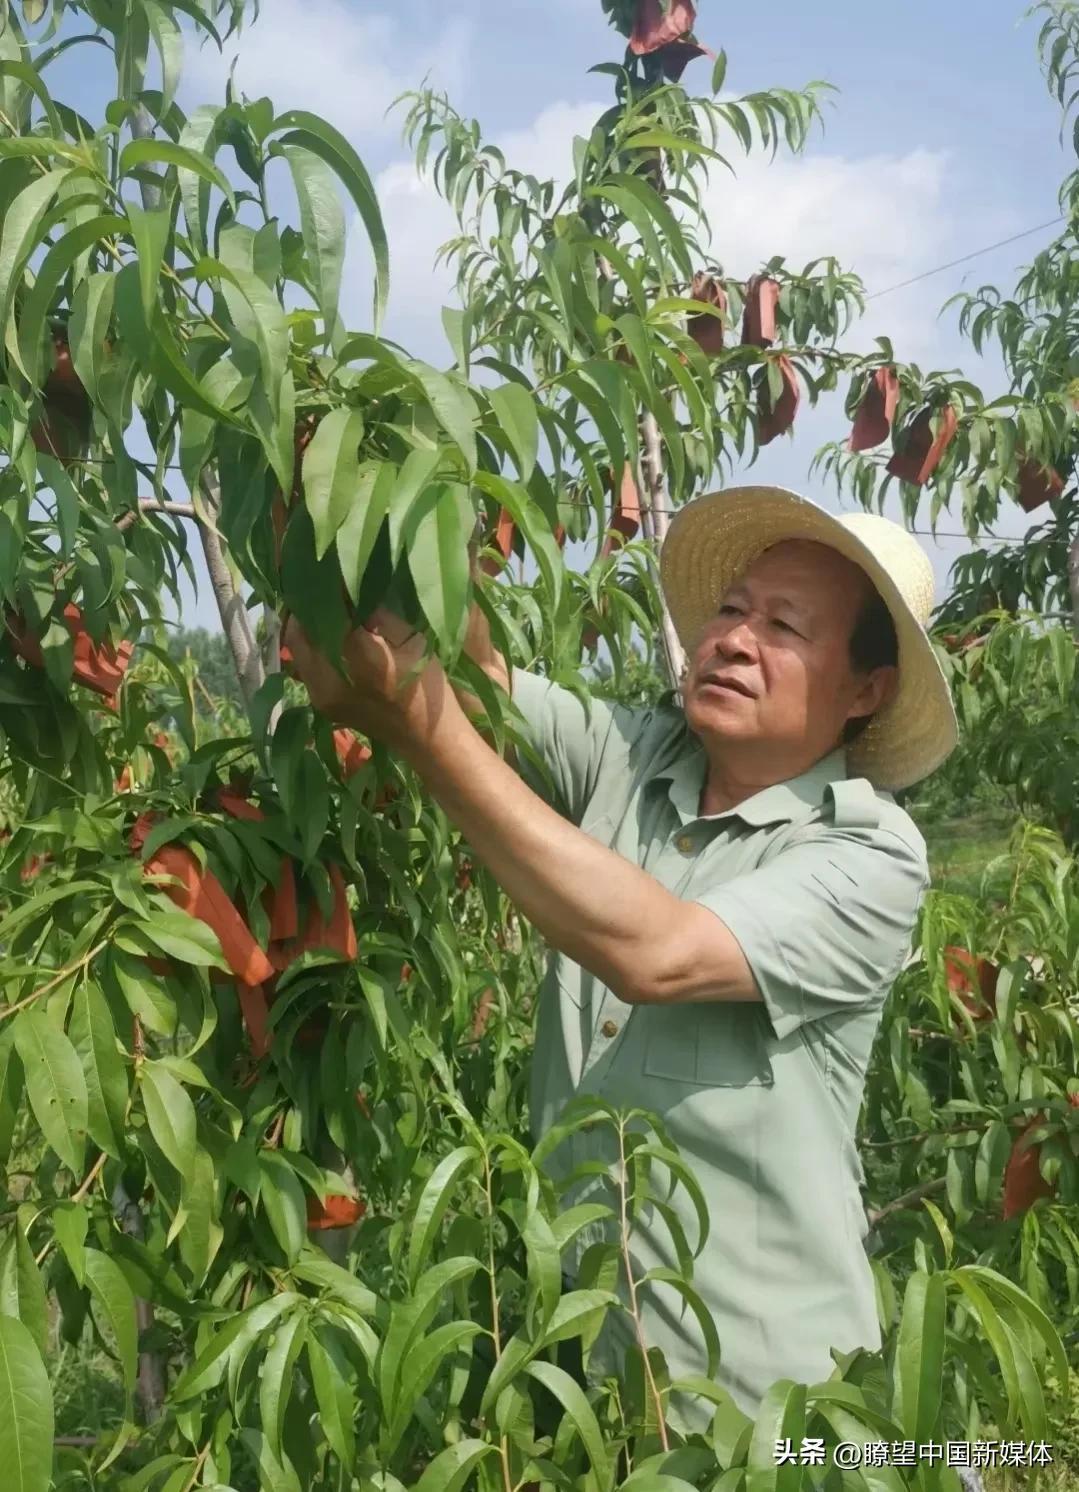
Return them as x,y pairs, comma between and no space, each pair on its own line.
965,258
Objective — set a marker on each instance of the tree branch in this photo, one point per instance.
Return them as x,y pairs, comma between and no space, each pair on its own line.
926,1189
234,618
151,505
151,1377
654,518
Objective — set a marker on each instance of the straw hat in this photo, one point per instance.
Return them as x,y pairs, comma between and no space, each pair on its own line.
713,539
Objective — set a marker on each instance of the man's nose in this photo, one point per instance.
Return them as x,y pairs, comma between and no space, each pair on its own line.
737,641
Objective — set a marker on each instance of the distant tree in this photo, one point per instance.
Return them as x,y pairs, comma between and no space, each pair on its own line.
216,670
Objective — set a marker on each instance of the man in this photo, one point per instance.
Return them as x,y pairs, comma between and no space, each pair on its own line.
728,892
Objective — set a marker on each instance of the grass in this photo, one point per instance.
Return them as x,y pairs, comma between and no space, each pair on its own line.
960,849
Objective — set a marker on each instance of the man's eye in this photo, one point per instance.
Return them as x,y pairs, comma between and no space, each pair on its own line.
728,609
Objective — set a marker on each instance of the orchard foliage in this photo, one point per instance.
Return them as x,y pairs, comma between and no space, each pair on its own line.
265,1026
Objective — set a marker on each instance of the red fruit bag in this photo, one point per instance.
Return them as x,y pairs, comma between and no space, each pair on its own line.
1038,485
759,315
707,331
876,412
504,532
777,421
922,451
653,29
335,1212
626,518
351,752
201,895
1023,1181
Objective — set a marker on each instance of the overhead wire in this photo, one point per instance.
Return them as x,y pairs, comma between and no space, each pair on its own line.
966,258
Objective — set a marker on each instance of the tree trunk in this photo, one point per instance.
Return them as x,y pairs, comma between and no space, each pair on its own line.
151,1376
1073,581
234,619
654,515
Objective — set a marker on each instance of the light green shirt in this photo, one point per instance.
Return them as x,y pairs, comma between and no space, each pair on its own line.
819,879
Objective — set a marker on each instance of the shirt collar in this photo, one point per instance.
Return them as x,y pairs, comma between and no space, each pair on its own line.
781,802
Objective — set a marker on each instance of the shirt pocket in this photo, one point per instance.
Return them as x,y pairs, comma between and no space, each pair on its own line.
716,1045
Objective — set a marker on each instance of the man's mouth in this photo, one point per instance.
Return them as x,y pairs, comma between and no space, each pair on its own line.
728,684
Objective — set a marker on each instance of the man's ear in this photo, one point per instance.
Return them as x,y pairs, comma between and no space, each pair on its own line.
879,687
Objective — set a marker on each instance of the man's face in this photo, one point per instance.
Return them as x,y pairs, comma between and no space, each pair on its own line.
773,666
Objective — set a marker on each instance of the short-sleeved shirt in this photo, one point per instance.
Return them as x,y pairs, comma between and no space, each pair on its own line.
819,879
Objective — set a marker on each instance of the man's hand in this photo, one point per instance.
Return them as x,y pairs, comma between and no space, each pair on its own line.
396,692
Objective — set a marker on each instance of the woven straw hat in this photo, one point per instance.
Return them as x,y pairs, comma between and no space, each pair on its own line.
713,539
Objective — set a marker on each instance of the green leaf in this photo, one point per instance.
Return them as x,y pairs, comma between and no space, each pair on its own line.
150,228
22,1290
284,1203
409,1318
150,152
176,935
919,1356
458,329
321,139
544,1264
114,1297
992,1156
781,1416
330,1377
431,1207
170,1115
208,1369
260,320
22,221
437,532
168,38
11,1090
93,1036
452,1468
451,405
331,473
55,1085
200,1234
200,137
26,1413
276,1377
578,1410
418,1369
999,1285
358,533
575,1311
50,273
156,349
70,1222
322,223
697,1306
515,411
533,525
411,482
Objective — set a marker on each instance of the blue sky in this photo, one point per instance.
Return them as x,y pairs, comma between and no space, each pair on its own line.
941,139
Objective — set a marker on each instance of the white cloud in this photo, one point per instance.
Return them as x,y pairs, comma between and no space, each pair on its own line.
325,56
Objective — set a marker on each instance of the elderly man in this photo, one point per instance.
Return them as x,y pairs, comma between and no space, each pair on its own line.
728,891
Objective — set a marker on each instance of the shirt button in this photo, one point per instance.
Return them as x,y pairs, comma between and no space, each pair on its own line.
685,843
609,1028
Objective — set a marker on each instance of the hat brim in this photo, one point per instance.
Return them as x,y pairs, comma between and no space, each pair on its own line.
711,542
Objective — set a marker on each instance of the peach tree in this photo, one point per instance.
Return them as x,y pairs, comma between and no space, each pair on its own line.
265,1023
